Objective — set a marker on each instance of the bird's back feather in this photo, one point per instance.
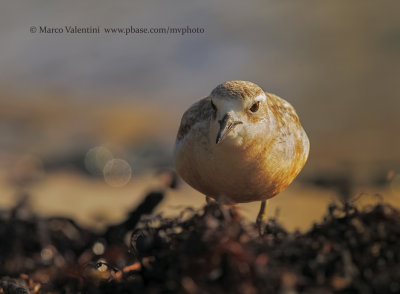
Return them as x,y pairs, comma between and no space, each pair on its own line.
198,112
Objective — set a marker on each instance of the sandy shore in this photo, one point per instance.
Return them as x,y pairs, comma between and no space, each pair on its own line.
94,203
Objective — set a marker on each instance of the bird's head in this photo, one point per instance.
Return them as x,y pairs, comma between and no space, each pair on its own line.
239,108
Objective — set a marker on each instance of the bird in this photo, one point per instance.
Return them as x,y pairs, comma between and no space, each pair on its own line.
240,144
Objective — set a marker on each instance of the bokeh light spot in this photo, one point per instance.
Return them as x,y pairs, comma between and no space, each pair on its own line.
117,172
98,248
96,159
47,254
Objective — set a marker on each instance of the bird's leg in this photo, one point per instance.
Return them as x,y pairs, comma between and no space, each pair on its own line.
262,216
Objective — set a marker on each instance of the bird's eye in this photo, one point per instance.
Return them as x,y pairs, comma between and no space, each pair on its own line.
255,106
213,106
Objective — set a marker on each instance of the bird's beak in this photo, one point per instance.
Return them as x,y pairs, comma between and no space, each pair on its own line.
226,124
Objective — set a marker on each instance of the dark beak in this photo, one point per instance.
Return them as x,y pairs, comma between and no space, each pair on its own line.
226,124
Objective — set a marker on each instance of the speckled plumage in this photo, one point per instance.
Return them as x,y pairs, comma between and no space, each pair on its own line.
257,159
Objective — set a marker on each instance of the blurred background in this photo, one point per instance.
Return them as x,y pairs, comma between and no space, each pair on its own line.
88,121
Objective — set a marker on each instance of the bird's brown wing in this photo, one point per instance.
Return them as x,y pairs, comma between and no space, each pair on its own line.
281,108
198,112
289,126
